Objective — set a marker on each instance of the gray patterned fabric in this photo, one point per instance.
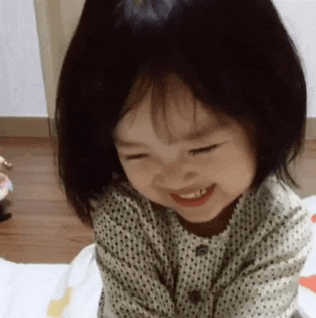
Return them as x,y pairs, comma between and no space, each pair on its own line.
152,267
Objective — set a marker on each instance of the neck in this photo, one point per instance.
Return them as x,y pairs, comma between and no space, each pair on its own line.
212,227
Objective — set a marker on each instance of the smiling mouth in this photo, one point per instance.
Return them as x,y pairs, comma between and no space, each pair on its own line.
194,201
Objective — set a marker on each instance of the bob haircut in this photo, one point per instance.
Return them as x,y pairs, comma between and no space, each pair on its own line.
235,56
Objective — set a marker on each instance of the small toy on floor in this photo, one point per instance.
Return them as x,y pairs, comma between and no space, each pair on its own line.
5,188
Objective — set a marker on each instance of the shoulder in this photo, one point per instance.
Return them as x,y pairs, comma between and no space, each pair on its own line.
119,201
122,207
277,208
274,196
274,209
279,197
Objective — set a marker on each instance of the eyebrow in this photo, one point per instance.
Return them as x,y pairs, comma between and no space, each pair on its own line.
192,136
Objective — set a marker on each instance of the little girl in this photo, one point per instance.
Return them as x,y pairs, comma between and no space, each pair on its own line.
177,122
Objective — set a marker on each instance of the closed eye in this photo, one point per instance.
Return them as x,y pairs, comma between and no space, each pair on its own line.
207,149
193,151
135,157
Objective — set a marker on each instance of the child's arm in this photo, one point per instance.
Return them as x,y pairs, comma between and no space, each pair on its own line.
127,263
268,285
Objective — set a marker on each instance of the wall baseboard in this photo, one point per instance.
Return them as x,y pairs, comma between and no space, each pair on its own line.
24,127
40,127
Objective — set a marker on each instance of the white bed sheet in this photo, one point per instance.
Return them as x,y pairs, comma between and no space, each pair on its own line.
51,290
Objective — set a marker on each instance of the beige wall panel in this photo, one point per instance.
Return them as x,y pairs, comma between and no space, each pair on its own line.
56,23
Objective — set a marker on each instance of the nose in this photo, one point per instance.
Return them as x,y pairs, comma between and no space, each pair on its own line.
176,176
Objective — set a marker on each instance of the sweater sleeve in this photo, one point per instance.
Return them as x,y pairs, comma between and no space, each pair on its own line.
267,286
127,261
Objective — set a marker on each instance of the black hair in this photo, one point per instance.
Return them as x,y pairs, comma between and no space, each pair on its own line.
235,55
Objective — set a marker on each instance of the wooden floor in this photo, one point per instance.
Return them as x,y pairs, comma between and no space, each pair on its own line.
43,228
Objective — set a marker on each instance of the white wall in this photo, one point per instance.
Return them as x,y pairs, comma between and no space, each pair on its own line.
299,16
21,79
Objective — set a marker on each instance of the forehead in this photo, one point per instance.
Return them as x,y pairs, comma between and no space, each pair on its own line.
183,118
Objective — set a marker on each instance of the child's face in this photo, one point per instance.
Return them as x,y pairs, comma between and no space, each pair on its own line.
164,168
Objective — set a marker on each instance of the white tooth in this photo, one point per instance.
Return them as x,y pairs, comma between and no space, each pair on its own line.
201,192
194,195
189,196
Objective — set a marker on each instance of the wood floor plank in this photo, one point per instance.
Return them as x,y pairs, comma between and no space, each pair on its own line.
43,228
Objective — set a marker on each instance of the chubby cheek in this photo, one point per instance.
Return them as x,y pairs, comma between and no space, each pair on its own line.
137,176
141,182
236,170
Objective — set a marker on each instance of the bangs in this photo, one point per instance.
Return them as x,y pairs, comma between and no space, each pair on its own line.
158,86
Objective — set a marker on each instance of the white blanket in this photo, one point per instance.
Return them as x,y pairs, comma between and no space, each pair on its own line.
73,290
51,290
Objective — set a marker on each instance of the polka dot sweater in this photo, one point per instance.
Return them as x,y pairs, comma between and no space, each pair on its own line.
152,267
